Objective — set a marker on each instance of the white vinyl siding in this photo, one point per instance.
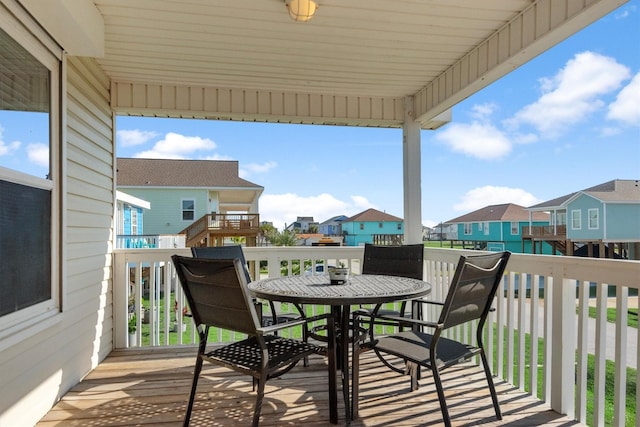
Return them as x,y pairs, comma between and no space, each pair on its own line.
82,336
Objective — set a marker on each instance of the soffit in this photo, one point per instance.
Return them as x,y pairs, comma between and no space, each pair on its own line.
438,51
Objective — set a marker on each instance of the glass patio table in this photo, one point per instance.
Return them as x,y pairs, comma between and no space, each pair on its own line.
359,289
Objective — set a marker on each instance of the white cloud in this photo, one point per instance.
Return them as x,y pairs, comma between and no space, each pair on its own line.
572,94
133,137
38,154
176,146
7,148
480,140
483,111
284,209
253,168
626,107
490,195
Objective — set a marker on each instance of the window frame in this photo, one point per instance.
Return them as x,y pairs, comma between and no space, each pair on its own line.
41,315
467,228
183,210
576,216
597,219
516,228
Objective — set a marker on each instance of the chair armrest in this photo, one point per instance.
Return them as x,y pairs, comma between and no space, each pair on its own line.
404,320
428,301
295,322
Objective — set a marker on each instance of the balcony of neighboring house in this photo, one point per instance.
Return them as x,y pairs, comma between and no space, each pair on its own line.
554,235
212,229
149,241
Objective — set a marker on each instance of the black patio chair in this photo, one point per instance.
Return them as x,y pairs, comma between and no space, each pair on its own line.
217,294
469,299
403,261
235,251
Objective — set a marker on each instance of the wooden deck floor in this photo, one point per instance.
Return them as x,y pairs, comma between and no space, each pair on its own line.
151,387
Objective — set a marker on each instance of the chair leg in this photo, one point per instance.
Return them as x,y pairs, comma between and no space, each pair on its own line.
259,399
355,379
194,386
492,388
440,389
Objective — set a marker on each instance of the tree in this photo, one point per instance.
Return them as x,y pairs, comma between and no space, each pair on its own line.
277,238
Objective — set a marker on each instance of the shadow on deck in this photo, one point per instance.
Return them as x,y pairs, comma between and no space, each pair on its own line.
150,387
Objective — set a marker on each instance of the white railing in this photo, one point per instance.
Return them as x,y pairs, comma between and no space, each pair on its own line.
546,331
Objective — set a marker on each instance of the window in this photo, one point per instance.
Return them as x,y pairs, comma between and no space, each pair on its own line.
29,179
468,228
188,210
399,226
379,225
362,226
515,228
486,228
594,219
134,220
576,220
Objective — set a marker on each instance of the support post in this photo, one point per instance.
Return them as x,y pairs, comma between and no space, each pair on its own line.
411,174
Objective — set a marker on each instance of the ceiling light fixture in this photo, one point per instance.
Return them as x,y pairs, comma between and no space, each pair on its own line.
301,10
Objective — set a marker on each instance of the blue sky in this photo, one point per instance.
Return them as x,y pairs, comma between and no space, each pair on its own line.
565,121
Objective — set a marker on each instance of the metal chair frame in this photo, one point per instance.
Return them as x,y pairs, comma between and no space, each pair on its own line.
217,294
470,296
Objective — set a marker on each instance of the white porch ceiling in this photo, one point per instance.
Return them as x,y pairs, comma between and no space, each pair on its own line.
353,63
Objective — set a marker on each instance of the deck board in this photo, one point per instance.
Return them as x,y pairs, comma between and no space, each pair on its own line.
150,387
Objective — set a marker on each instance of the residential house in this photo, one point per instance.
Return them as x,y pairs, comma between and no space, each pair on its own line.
129,221
373,226
75,66
600,221
183,192
332,226
499,228
303,224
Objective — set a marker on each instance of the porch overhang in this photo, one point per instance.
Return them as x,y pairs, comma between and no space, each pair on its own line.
352,65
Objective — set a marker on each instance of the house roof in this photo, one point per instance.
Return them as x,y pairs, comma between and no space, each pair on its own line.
354,63
504,212
334,220
180,173
373,215
617,190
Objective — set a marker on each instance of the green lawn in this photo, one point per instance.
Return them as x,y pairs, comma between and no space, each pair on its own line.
632,316
609,382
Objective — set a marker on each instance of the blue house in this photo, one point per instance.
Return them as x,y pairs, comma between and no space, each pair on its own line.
129,220
604,219
499,228
332,226
206,200
373,226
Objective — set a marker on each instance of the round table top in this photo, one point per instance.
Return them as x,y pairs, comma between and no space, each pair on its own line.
359,289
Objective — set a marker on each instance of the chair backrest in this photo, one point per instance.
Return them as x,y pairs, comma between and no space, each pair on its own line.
222,252
472,288
404,261
216,290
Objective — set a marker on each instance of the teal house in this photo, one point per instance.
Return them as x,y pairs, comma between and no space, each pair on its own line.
600,221
373,226
129,220
499,228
